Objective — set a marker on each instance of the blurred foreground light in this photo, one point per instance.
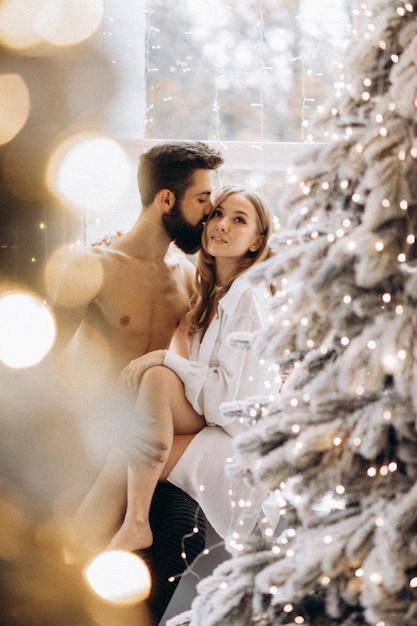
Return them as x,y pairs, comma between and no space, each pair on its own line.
29,24
27,330
119,577
14,106
67,22
73,276
90,172
17,23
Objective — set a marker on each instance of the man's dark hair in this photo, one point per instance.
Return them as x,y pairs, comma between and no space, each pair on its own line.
170,165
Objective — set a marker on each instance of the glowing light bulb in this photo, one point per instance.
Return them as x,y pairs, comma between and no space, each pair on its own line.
17,20
375,578
119,577
14,105
27,329
89,171
390,362
68,22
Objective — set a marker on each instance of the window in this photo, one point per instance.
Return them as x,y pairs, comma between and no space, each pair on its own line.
247,75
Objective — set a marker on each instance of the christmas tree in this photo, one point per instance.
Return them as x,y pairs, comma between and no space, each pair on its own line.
337,446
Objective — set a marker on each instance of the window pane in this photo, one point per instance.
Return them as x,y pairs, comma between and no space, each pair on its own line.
242,70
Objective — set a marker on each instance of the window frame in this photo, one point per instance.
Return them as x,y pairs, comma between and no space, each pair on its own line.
243,155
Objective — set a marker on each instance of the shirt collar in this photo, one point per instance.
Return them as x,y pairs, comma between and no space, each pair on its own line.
231,299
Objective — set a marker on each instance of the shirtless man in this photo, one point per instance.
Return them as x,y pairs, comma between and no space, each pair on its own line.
139,305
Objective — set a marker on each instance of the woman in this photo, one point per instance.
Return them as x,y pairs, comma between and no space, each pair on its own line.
178,397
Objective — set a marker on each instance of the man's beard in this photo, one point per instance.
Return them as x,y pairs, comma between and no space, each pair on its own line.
186,236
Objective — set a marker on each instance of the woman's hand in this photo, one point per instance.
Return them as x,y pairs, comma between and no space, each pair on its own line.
130,376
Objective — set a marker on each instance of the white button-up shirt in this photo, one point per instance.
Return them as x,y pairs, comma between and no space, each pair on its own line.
217,372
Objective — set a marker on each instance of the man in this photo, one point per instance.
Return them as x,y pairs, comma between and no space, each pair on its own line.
132,295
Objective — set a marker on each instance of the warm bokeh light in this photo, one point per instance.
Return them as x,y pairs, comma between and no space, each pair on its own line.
17,19
27,330
90,172
29,24
14,106
73,276
119,577
67,22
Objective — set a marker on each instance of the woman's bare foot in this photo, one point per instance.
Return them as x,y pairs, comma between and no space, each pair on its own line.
132,537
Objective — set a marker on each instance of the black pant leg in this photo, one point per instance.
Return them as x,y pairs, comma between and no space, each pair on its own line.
173,518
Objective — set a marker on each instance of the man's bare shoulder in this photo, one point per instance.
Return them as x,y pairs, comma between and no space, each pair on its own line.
73,276
176,257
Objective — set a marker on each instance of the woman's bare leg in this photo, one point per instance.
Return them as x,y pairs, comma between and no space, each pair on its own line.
102,508
163,411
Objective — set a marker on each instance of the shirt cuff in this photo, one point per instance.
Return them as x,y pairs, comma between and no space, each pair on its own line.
177,364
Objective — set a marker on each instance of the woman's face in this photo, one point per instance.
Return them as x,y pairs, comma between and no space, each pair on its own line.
232,228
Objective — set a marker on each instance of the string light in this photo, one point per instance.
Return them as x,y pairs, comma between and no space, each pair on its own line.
375,578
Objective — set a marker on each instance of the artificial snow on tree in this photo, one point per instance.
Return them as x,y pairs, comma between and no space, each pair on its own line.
338,446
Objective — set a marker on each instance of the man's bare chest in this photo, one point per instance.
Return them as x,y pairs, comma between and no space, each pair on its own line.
139,298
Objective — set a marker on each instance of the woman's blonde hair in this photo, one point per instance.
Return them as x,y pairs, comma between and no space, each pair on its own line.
207,293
